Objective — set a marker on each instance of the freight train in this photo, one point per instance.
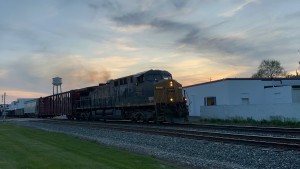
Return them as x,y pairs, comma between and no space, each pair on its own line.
152,95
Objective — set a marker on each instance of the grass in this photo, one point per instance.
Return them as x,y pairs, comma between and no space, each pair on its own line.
32,148
274,122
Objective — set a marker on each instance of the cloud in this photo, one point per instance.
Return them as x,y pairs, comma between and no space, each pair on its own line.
200,69
119,65
13,95
109,5
237,9
203,42
131,29
292,16
192,36
37,70
133,18
124,45
3,73
180,3
87,42
169,25
147,20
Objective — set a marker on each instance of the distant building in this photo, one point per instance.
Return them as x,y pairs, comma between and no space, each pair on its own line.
16,108
246,98
19,103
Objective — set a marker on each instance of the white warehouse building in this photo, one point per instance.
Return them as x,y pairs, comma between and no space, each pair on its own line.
246,98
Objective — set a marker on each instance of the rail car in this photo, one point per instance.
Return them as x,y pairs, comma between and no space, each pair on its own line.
147,96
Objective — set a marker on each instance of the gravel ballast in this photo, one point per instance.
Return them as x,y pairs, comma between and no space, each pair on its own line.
185,152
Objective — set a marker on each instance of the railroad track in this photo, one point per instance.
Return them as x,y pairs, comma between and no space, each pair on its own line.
247,139
269,130
238,128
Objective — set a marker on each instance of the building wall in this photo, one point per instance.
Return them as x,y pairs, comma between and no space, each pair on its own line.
284,111
197,94
281,94
18,104
251,96
253,90
296,95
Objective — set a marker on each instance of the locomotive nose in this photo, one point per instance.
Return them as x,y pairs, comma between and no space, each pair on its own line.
168,91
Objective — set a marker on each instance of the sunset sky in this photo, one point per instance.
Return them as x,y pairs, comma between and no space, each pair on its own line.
87,42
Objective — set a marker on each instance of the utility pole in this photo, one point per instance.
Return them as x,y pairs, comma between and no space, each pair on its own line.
2,109
297,73
4,106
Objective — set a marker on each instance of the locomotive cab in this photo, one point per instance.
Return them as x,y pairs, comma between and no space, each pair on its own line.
153,76
168,91
170,102
144,84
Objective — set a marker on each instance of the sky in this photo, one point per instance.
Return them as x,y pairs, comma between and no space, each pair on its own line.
87,42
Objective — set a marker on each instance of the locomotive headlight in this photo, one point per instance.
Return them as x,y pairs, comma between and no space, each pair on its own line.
171,99
171,83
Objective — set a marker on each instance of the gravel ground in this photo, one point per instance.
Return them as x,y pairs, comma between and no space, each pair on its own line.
185,152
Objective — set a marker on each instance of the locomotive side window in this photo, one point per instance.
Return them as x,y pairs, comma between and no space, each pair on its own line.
149,78
116,83
167,77
152,78
131,79
122,81
140,79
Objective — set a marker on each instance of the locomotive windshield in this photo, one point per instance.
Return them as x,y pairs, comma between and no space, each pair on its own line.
167,77
157,77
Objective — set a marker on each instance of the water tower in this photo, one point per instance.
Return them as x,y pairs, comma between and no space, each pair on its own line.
57,82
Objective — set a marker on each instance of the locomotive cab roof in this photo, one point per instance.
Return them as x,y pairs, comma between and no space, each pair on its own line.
150,75
153,76
160,72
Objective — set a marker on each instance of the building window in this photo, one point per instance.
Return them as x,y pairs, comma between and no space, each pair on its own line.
245,100
210,101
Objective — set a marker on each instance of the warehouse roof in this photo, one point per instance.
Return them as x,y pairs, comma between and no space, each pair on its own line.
232,79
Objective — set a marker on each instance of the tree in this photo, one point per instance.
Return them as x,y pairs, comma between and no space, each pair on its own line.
269,69
297,73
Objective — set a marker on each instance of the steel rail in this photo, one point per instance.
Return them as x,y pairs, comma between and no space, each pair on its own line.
254,129
271,130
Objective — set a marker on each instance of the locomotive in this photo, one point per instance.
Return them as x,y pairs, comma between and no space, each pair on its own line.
147,96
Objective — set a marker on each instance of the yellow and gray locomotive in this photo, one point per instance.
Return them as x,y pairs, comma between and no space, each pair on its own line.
147,96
